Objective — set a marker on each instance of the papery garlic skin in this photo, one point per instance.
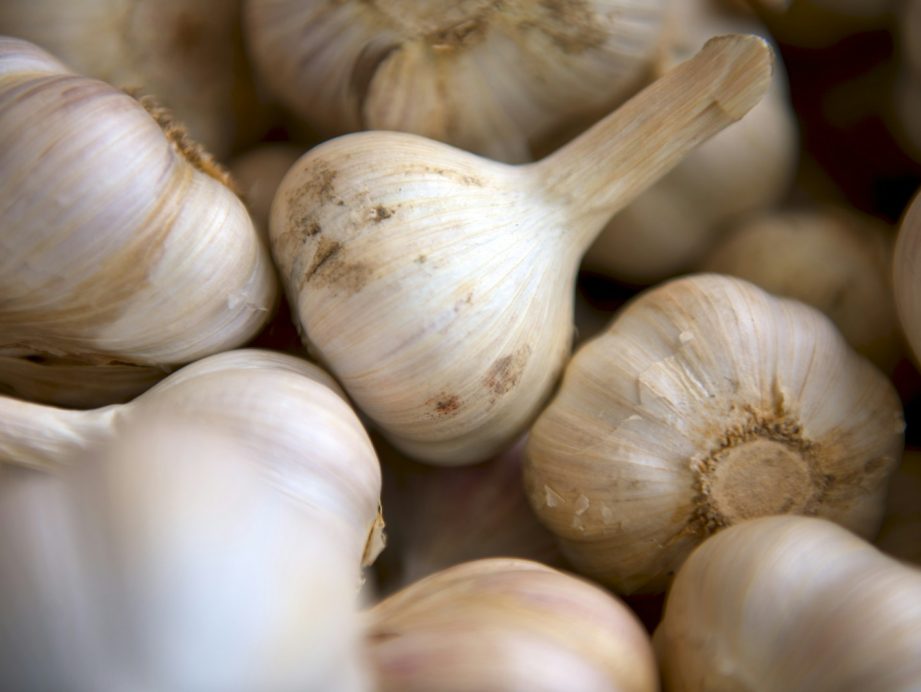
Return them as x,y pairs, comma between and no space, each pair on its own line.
118,244
794,604
505,624
484,76
707,402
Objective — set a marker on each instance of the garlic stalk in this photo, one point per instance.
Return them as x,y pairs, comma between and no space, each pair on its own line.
707,402
791,604
189,55
161,559
437,285
488,77
257,173
278,409
120,243
831,258
505,624
900,534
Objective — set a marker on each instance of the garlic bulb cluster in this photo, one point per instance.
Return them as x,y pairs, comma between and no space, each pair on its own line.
189,55
484,76
906,270
283,411
833,259
747,167
505,624
707,402
900,534
437,285
161,559
257,173
120,243
792,604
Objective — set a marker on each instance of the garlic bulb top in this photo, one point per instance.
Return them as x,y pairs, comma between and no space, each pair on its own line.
279,409
189,55
505,624
707,402
118,243
484,76
794,604
437,285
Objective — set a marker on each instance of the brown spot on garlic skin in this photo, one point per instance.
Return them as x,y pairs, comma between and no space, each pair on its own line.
464,33
380,212
421,259
445,404
505,372
462,178
328,269
570,24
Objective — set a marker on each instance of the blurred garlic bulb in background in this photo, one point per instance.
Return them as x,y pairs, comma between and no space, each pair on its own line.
280,410
748,166
907,275
505,624
791,604
707,402
162,559
257,174
189,55
484,76
900,535
907,94
831,258
120,242
438,285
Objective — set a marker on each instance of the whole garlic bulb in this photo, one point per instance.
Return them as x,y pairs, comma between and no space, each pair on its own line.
747,167
505,624
794,604
438,285
484,76
189,55
120,243
281,410
707,402
161,559
831,258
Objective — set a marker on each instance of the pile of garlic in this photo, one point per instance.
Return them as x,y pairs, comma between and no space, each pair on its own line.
233,344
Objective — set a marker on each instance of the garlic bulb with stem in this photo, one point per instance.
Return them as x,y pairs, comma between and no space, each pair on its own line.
707,402
257,173
164,559
279,409
189,55
120,242
794,604
437,285
506,624
832,258
484,76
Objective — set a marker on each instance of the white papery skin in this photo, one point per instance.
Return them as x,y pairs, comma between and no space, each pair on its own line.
484,76
189,55
163,560
438,285
114,247
792,604
505,624
707,402
280,410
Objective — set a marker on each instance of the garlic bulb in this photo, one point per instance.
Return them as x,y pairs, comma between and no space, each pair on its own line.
900,534
437,285
279,409
831,258
505,624
908,82
163,560
258,173
906,271
119,242
794,604
747,167
189,55
484,76
707,402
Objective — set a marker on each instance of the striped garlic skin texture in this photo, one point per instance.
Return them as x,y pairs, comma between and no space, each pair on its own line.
279,409
189,55
506,624
161,559
484,76
707,402
114,248
792,604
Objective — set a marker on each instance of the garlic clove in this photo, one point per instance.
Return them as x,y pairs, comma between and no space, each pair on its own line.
487,77
434,283
707,402
505,624
793,604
